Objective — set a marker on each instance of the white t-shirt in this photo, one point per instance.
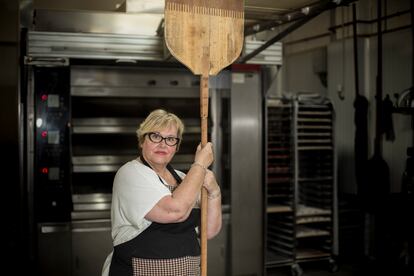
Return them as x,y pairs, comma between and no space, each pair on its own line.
136,190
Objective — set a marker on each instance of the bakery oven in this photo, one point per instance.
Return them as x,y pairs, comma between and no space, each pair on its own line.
83,122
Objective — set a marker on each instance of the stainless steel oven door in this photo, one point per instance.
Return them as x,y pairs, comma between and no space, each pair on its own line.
91,243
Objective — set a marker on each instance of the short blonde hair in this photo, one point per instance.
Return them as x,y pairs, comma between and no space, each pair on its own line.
157,120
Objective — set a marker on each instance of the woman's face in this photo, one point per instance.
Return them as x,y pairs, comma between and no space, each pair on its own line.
159,153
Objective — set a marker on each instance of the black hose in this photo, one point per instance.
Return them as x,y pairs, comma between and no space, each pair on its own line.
378,97
354,28
360,120
412,63
412,42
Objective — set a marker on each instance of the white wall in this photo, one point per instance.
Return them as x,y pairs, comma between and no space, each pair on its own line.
300,49
301,71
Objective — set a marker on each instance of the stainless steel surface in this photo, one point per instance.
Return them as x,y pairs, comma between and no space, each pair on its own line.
90,215
97,81
133,92
54,249
105,125
30,130
91,206
95,168
95,198
101,159
118,125
111,163
110,102
125,48
94,207
219,86
44,229
46,61
246,175
90,22
122,76
91,243
218,250
91,224
91,230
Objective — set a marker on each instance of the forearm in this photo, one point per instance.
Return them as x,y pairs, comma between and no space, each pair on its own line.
214,215
188,191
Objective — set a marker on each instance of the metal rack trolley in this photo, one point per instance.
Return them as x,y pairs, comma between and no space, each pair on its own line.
300,185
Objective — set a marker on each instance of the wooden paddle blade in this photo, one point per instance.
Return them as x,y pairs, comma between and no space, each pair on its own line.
196,28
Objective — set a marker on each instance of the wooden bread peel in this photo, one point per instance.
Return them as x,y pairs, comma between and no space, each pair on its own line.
206,36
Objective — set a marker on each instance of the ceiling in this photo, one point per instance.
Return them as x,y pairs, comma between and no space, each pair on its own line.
145,17
255,10
269,9
151,11
277,12
264,6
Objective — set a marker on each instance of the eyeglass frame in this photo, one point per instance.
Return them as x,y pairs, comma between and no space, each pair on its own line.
162,138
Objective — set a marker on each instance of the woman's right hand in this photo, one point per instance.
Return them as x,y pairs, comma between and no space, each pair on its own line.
204,155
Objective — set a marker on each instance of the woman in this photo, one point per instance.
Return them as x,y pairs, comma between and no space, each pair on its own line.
155,208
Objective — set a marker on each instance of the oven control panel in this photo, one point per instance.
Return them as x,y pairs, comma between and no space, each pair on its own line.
52,145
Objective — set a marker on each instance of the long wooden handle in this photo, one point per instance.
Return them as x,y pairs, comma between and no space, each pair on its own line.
204,129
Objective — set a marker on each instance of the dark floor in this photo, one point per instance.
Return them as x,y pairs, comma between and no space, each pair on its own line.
344,268
389,234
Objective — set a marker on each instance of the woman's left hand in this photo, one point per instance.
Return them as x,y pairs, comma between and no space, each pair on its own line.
210,183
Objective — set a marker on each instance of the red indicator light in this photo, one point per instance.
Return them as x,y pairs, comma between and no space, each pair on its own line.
45,170
44,133
44,97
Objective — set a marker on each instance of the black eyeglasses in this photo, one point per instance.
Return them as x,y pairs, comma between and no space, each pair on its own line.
157,138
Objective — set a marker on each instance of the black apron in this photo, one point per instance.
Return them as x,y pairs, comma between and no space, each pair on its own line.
158,241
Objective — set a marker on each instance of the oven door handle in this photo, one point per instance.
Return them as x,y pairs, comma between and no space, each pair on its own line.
91,229
46,229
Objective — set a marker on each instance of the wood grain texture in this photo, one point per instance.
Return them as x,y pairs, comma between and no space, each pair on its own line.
232,5
197,28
